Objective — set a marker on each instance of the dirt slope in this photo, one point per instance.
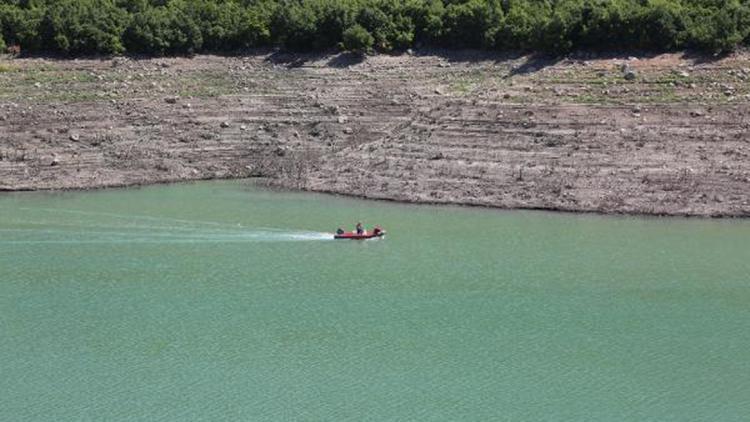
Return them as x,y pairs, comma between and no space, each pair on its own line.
660,135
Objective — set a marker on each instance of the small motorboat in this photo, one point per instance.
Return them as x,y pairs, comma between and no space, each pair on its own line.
366,235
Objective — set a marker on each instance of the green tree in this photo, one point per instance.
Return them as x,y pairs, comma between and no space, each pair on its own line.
22,25
524,26
719,29
472,23
84,26
662,25
357,39
390,24
312,24
163,30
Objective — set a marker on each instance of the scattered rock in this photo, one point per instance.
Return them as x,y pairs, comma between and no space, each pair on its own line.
438,91
225,124
171,100
697,113
342,119
243,127
75,137
348,130
55,161
437,156
630,75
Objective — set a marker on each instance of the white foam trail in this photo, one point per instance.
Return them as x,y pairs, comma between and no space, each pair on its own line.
52,236
131,217
131,229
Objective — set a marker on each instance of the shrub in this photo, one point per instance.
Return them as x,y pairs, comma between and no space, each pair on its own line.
163,30
662,25
357,39
428,19
312,24
389,23
524,26
84,26
187,26
471,24
22,26
718,29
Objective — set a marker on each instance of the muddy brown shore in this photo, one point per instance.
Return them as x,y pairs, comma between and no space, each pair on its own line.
665,134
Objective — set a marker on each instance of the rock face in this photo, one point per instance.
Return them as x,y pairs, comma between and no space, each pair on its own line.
397,127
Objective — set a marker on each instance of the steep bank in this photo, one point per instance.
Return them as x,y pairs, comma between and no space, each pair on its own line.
659,135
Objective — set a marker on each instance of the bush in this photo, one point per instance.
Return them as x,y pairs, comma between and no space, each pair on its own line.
662,25
428,19
390,24
226,25
524,27
471,24
188,26
163,30
607,25
22,26
718,29
312,24
357,39
84,26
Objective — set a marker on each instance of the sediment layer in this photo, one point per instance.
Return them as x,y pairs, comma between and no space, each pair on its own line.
666,134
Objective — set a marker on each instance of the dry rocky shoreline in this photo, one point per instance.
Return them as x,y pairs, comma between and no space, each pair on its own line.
664,134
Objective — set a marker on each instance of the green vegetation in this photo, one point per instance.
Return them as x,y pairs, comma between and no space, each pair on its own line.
161,27
357,39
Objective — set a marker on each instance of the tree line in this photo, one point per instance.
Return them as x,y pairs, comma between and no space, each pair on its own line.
166,27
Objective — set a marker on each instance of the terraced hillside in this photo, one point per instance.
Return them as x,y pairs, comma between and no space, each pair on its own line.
660,135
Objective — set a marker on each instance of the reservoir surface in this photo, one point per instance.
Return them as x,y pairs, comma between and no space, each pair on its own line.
224,301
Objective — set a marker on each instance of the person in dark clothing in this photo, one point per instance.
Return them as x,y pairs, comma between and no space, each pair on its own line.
360,229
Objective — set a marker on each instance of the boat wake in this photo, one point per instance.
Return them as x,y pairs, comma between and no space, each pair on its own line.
45,226
51,236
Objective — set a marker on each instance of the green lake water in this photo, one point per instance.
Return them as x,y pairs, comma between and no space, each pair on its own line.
222,301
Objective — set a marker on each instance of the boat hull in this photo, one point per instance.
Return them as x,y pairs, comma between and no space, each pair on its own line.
355,236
